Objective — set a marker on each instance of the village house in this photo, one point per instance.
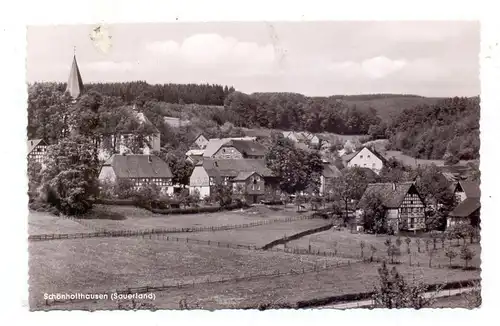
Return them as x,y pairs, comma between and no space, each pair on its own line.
468,205
367,158
175,122
200,142
37,150
243,172
403,205
146,137
297,136
236,149
194,155
329,173
140,169
214,144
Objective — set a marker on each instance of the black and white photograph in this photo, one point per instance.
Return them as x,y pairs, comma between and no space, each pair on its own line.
254,165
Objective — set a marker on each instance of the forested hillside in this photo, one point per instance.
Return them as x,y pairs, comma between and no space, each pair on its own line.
389,106
291,111
429,130
448,129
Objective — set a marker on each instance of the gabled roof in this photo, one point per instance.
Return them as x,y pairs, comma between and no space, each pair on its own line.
243,176
246,147
195,152
233,167
331,171
138,166
32,143
392,195
466,208
75,83
470,188
214,144
200,135
374,152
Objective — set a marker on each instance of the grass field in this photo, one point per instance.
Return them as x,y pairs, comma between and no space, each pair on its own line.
43,223
259,235
140,219
349,244
354,278
103,264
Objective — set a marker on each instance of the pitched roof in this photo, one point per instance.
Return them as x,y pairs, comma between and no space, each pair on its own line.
195,152
470,188
331,171
392,195
466,208
233,167
32,143
242,176
75,83
374,152
247,147
139,166
214,144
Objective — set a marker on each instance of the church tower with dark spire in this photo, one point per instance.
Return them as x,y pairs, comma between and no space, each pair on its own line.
75,83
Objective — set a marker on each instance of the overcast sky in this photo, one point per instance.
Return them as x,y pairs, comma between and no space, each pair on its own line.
312,58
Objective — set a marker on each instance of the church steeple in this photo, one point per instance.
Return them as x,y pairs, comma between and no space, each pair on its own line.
75,83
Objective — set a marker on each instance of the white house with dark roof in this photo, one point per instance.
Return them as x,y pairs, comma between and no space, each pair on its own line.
237,149
367,158
210,172
200,142
140,169
214,144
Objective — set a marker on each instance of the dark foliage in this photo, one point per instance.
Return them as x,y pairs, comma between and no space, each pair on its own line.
447,130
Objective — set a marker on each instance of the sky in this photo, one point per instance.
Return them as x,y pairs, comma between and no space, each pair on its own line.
313,58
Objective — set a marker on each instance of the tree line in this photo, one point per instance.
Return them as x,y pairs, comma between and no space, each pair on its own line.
207,94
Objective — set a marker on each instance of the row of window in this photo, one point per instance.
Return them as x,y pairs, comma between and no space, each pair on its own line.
364,165
157,181
412,210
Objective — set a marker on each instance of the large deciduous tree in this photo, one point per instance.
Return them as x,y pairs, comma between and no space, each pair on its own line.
296,169
69,180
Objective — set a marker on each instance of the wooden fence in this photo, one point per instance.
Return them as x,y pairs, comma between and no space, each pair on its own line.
156,231
214,280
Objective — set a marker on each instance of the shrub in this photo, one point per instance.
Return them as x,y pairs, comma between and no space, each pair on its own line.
124,188
147,194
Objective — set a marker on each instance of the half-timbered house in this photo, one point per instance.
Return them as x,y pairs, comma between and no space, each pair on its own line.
140,169
37,150
404,207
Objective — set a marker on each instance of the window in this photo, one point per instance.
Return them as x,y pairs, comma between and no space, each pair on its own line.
368,156
373,165
364,164
360,156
